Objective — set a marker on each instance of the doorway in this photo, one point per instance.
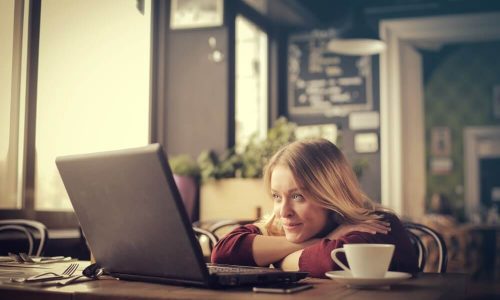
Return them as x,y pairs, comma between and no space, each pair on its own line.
482,169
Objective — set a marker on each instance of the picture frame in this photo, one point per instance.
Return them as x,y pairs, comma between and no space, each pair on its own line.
441,165
185,14
366,142
324,86
325,131
441,141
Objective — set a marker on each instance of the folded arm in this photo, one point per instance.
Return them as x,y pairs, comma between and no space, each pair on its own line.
247,246
271,249
316,258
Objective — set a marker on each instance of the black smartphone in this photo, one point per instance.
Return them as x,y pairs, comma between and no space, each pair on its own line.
283,288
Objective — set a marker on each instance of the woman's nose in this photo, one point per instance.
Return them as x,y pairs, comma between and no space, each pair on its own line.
286,209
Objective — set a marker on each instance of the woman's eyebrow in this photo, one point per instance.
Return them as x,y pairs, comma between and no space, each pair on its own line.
289,191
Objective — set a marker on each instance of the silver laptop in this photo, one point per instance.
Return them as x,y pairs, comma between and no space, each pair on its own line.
135,223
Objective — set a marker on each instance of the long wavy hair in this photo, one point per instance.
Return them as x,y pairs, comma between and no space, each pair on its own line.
326,177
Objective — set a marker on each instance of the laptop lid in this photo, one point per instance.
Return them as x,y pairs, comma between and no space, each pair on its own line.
132,215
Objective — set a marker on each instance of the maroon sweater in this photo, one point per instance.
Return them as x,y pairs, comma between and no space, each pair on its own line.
236,249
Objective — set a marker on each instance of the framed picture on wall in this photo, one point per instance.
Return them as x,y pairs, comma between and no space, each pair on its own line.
196,13
441,165
440,141
496,101
323,85
366,142
326,131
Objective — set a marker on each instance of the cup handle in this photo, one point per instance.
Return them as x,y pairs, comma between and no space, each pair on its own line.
336,260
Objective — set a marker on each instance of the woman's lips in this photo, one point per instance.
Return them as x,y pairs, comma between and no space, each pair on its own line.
291,226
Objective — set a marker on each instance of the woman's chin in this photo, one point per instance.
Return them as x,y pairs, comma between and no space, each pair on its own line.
294,238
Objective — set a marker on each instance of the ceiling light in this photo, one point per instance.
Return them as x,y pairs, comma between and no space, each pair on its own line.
356,39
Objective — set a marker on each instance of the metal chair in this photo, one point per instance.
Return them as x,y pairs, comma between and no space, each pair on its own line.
423,239
33,231
207,241
223,227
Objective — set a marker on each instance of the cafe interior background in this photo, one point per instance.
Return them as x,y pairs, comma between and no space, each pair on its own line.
417,113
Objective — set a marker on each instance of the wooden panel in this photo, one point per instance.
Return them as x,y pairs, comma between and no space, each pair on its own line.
234,199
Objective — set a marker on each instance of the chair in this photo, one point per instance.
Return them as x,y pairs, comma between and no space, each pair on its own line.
209,233
222,227
207,241
33,231
425,240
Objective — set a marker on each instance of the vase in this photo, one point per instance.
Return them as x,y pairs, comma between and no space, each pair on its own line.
188,188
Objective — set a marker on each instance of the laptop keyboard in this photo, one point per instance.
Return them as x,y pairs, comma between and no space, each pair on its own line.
236,269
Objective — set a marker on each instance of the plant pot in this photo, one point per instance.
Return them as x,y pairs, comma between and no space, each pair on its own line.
188,188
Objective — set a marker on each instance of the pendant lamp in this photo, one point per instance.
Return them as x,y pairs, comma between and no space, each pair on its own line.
356,38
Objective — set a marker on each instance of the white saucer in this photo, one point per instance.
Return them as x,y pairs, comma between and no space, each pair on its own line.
345,277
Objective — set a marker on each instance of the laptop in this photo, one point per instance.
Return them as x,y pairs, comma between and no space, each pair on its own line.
134,220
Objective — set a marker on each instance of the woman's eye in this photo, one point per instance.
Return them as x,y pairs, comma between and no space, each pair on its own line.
297,197
276,197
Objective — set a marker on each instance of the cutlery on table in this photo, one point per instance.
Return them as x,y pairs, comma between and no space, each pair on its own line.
49,276
25,258
72,279
36,260
16,257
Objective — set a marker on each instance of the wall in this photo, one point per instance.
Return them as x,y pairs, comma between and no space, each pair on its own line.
198,102
459,82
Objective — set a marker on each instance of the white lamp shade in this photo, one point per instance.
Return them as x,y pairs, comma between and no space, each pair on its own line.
356,46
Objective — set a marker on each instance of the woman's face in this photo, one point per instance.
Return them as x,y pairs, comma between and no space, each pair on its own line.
301,217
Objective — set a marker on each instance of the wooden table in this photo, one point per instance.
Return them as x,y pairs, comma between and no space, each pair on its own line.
426,286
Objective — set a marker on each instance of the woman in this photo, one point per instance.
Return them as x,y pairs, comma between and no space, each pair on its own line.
318,206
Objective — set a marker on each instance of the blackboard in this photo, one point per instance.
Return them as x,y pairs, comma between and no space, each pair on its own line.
322,83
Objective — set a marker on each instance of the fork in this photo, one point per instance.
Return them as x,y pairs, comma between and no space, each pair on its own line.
70,270
16,257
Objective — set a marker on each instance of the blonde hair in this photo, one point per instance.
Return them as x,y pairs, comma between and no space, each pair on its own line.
326,177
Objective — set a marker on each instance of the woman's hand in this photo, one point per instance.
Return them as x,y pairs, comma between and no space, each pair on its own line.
369,226
291,261
268,250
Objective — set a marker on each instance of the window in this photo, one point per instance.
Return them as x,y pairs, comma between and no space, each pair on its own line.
92,91
251,82
93,85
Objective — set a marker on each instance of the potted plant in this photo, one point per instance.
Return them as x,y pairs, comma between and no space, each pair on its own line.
251,161
186,176
232,184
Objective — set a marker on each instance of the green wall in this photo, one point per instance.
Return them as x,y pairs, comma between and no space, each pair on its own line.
459,84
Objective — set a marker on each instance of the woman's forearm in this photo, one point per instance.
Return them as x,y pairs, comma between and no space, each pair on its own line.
270,249
291,261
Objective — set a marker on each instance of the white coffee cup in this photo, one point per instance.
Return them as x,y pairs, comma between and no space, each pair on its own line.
365,260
